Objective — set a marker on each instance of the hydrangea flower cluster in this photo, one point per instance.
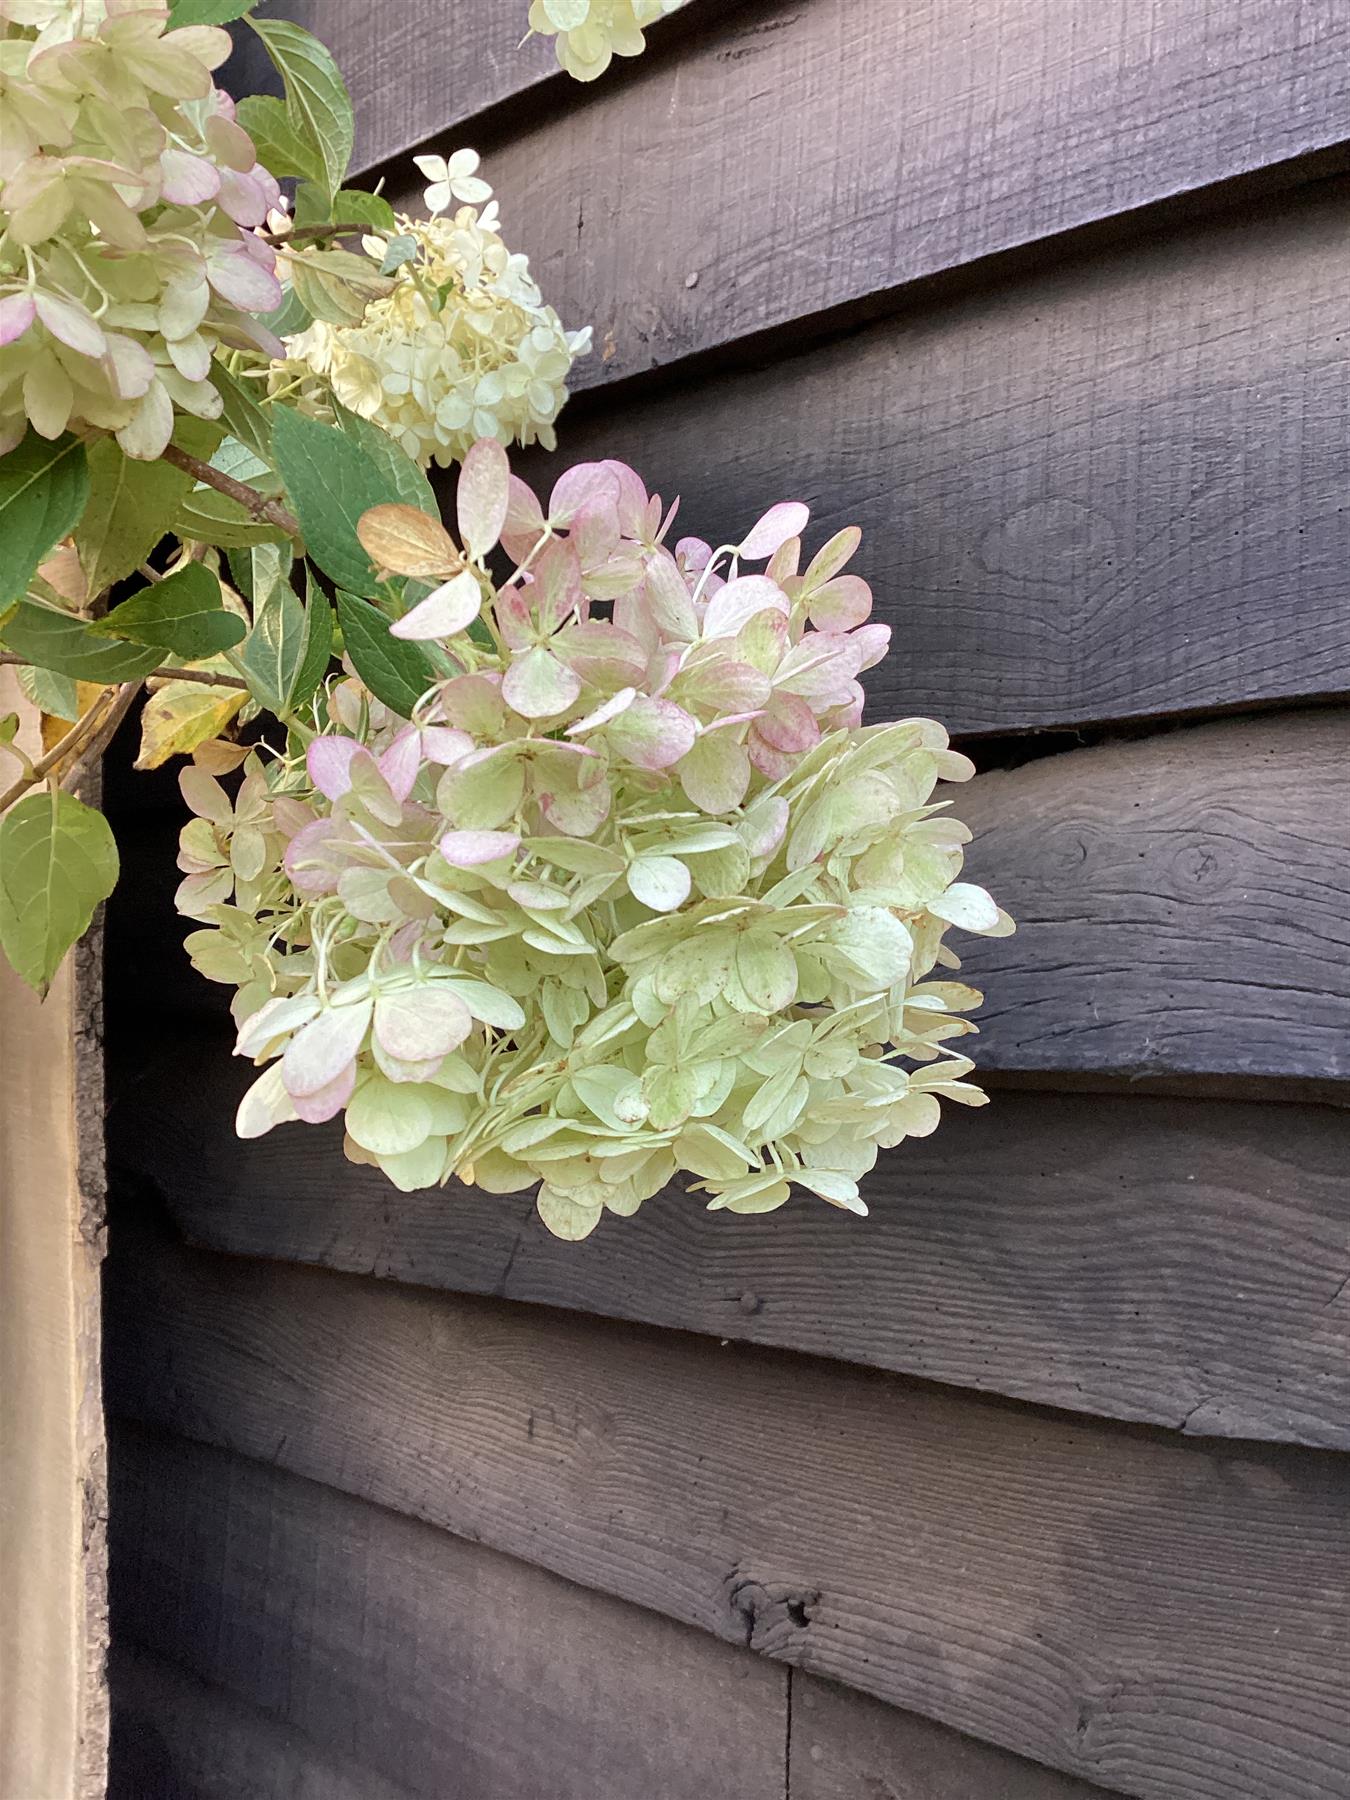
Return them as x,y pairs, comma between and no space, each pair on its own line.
631,893
590,32
129,196
462,348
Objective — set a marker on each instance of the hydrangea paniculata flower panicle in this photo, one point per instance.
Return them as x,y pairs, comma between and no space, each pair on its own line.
129,201
463,347
590,32
634,892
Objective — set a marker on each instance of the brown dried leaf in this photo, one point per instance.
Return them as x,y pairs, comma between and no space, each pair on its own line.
408,542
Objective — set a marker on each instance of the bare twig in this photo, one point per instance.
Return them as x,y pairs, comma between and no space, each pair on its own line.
74,743
302,233
205,676
103,736
272,512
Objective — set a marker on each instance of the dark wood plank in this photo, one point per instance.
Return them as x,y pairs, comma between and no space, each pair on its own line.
847,1746
421,72
176,1738
798,159
1181,904
1110,490
1151,1613
1176,1261
448,1670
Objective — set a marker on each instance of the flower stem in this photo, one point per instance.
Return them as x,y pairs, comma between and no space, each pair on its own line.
272,512
203,676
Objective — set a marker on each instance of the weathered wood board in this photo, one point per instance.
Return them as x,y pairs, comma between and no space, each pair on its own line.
1110,490
811,157
1177,1261
1151,1613
443,1668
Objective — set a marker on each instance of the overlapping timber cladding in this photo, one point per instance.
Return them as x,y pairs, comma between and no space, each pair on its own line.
1038,1482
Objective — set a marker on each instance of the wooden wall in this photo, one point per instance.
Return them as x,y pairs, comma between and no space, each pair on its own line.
1036,1483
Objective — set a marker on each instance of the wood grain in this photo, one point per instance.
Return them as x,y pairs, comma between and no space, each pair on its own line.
847,1746
176,1738
800,158
446,1669
1149,1613
1178,1261
1181,904
1110,490
422,72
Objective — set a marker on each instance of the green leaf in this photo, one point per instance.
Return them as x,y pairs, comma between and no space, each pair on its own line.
43,489
396,672
184,614
57,641
318,650
130,505
206,12
318,105
336,285
289,318
276,647
399,250
331,480
53,694
244,418
281,146
352,206
57,861
407,479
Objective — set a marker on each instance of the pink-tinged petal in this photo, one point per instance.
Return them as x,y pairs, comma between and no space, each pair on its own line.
72,324
694,553
267,181
447,609
573,488
228,142
401,762
17,312
609,709
538,686
739,601
243,198
600,653
329,761
631,499
595,531
467,849
191,356
786,520
130,366
524,518
442,745
720,683
421,1024
515,618
473,703
668,598
483,496
772,764
320,1051
209,44
328,1101
577,811
290,815
242,282
871,642
653,734
243,333
555,593
187,180
789,725
841,604
316,857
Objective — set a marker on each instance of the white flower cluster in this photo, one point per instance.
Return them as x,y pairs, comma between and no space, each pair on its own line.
590,32
462,348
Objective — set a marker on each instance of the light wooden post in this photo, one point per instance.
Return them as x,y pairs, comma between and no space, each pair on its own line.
53,1489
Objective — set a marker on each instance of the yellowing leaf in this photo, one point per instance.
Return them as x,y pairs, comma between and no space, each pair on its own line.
405,540
181,715
55,726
